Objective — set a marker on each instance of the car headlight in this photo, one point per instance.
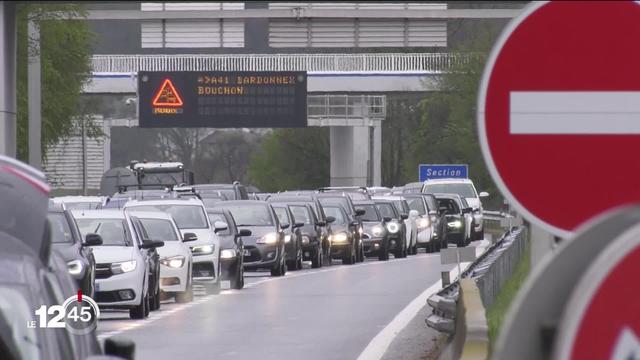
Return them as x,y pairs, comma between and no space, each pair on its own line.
455,224
423,223
123,267
270,238
377,230
202,250
393,227
75,267
305,239
339,237
360,230
227,254
287,238
173,262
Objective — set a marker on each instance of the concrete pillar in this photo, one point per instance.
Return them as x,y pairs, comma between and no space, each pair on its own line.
34,98
377,154
8,99
349,155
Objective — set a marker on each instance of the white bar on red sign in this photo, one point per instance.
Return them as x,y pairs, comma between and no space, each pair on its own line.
574,112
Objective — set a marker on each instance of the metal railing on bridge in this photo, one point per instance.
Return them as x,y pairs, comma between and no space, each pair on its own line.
371,62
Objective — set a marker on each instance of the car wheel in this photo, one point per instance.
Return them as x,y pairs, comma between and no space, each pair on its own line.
384,254
279,270
238,281
156,297
361,252
185,296
316,261
147,307
139,311
299,261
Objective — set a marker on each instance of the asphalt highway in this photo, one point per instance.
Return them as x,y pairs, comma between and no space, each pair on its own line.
336,312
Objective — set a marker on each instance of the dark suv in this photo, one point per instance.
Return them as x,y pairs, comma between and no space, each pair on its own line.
395,227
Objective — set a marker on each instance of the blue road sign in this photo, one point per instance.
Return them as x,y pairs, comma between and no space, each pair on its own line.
442,171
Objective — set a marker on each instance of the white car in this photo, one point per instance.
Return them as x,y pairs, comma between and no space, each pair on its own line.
122,276
176,261
80,202
191,217
466,189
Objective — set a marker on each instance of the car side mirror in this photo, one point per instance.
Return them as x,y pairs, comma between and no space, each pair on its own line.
220,226
467,210
330,219
150,244
321,223
284,226
386,219
483,194
404,216
298,225
189,237
120,347
92,240
245,232
360,212
413,213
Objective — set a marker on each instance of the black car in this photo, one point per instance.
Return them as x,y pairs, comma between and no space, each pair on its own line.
396,229
77,254
459,218
231,247
310,233
322,222
292,236
375,237
153,263
344,244
233,191
355,224
265,247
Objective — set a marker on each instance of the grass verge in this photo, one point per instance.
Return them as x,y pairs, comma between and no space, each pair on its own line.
498,310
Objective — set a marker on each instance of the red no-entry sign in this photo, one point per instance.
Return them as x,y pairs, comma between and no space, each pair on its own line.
559,111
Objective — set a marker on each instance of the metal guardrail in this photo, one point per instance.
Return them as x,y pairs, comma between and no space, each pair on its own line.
347,106
485,277
369,62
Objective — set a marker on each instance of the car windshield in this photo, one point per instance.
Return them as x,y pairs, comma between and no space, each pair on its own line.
386,210
301,214
60,230
113,231
213,217
416,204
251,215
449,206
282,214
358,196
160,229
336,213
462,189
370,213
399,206
334,200
186,216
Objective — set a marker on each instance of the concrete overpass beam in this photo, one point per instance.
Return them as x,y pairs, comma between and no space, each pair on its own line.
8,100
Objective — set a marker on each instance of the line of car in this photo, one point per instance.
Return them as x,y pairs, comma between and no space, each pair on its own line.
136,248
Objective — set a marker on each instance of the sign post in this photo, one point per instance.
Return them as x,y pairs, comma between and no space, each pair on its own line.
222,99
442,171
557,114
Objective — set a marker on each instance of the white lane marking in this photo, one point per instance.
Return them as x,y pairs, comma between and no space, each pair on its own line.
381,342
574,112
290,275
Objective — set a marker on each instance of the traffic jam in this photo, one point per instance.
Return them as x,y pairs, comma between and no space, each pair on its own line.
148,246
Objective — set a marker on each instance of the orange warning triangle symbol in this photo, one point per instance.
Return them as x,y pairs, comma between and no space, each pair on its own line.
167,95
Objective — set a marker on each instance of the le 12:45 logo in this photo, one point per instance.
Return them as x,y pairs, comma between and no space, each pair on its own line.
78,314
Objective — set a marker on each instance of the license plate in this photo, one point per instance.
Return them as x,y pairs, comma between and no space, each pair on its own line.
247,252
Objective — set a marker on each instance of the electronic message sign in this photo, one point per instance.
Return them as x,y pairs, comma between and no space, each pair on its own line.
222,99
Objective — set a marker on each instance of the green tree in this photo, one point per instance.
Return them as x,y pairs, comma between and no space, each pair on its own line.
292,159
447,133
65,56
